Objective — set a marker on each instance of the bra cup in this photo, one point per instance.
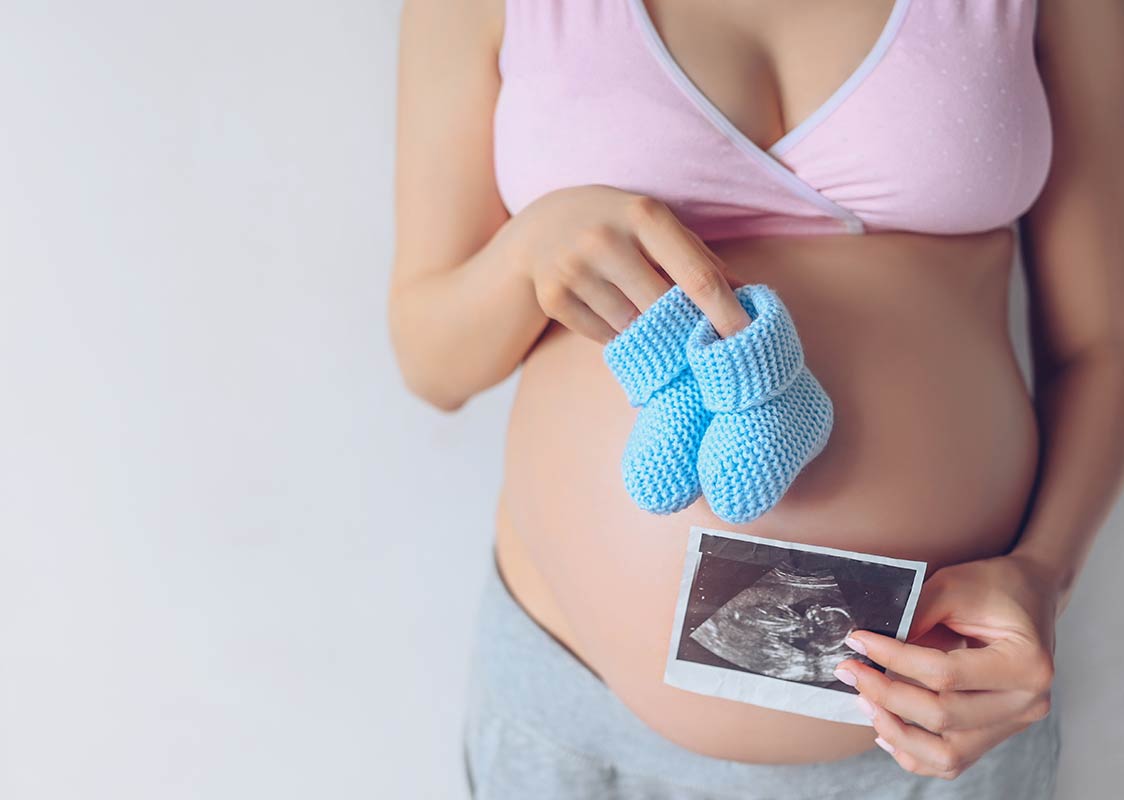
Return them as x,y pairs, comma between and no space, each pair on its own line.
946,131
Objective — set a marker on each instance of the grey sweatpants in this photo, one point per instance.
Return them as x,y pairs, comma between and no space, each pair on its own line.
542,726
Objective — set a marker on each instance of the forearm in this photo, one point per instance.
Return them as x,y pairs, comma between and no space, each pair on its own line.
459,331
1080,415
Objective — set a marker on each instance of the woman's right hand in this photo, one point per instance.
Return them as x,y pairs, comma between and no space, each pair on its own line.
599,256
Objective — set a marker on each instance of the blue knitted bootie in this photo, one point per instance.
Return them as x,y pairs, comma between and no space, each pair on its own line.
648,358
770,414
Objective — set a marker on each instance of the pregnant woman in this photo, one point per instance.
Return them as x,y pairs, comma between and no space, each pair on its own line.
563,163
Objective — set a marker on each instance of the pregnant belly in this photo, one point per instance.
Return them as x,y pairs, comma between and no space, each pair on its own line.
932,457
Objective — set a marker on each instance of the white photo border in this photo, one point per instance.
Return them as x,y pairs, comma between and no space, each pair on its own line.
761,690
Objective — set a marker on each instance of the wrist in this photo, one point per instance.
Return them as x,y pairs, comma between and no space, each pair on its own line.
1051,573
508,248
510,270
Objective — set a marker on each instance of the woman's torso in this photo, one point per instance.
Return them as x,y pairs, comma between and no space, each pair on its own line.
933,451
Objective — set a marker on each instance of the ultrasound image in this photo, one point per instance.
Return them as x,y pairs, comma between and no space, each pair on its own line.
790,624
783,612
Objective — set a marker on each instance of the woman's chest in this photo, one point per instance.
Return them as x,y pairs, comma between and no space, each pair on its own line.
767,66
920,115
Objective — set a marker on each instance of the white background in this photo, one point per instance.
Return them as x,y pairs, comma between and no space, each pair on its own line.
236,559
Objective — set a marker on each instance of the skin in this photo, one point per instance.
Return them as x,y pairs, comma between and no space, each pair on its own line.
590,258
946,709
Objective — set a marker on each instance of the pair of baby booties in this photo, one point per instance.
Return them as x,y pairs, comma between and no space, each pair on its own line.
733,419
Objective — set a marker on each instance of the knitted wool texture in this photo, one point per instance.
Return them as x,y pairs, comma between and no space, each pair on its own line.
649,360
770,414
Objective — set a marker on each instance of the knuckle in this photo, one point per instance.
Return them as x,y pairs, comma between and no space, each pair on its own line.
945,678
950,774
949,761
551,297
910,764
702,280
643,209
596,239
893,661
570,268
1042,673
1039,709
940,719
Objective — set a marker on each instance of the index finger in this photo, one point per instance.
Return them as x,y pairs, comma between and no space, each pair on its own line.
995,666
666,242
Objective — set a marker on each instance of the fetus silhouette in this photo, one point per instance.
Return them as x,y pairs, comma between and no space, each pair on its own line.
789,624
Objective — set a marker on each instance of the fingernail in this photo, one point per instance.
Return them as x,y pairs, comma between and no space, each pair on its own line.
889,748
865,706
845,676
855,645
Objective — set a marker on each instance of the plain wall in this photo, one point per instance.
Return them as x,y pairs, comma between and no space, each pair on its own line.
236,558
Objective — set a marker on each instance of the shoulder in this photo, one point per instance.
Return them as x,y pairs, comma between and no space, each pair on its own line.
472,20
1079,48
1089,30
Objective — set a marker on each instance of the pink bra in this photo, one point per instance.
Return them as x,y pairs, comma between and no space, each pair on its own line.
943,128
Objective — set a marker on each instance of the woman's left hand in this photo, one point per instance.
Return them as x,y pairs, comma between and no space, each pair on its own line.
979,672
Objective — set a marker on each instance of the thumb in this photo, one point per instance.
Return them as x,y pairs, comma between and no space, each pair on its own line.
934,606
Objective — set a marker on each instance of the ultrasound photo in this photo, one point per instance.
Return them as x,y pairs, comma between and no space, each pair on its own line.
763,621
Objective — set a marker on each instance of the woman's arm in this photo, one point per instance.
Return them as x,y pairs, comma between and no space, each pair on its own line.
461,315
1073,245
966,700
472,289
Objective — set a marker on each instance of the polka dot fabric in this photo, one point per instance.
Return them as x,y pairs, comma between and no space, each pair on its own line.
942,128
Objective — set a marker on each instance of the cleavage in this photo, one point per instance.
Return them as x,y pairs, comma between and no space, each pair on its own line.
770,64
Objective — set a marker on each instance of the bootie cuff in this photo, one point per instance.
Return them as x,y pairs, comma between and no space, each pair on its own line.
649,353
754,365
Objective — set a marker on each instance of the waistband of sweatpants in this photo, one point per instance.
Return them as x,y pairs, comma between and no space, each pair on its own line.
529,677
